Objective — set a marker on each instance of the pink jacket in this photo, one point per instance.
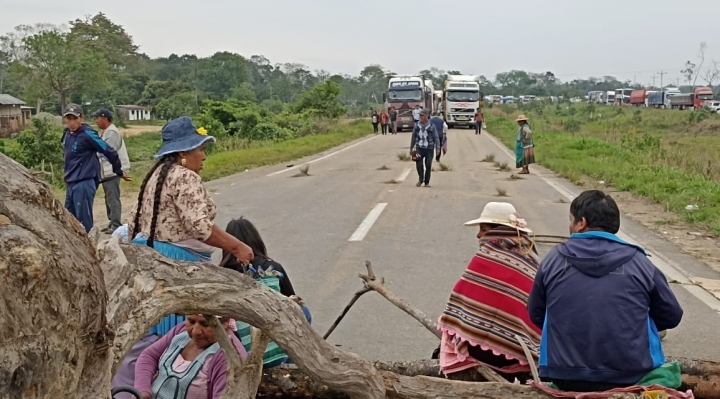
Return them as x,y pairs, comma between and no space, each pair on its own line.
147,364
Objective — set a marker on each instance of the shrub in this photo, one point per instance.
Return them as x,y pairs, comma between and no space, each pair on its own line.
38,145
268,131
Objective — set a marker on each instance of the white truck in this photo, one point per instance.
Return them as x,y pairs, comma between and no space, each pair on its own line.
462,98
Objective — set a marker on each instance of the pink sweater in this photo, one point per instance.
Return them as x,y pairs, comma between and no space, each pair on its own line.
215,366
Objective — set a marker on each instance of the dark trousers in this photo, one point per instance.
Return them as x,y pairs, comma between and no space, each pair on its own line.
478,127
424,159
375,129
384,128
113,206
79,199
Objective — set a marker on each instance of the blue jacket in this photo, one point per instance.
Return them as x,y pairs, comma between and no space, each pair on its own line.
600,303
81,161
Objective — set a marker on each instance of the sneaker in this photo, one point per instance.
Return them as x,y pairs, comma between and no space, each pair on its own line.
108,230
427,185
418,184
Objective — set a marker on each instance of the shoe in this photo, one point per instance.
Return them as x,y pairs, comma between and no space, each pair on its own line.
108,230
427,185
418,184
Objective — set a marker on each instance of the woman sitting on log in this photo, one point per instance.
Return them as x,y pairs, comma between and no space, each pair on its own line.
175,215
185,363
487,311
245,231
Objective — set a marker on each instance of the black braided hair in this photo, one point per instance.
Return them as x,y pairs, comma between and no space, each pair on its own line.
167,162
136,228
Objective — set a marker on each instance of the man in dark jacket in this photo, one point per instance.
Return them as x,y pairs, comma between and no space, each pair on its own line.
600,303
424,140
81,145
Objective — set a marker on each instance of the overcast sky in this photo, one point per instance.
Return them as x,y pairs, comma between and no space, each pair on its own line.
629,39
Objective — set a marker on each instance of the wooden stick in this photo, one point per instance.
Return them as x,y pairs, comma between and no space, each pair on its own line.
529,356
354,299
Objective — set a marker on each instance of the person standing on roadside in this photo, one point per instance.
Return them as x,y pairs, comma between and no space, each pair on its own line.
416,114
384,119
81,144
441,127
110,181
424,140
393,120
479,118
524,146
375,119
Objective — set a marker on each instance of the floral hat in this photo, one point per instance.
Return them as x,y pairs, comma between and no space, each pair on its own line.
180,135
502,213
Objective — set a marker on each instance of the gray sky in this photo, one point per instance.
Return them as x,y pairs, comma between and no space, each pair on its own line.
572,38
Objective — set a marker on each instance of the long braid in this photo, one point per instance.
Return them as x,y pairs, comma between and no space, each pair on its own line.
167,162
136,220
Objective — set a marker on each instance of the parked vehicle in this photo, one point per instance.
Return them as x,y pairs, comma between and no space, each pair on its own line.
647,94
637,98
658,99
692,100
405,92
608,98
622,96
712,105
462,98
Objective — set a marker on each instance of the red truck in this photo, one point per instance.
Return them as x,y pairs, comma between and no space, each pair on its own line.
692,100
637,98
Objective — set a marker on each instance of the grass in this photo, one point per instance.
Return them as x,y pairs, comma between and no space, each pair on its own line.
403,156
489,158
501,191
502,166
384,167
304,171
671,157
445,167
392,181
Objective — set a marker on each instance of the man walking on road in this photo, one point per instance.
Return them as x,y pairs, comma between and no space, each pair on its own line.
393,120
479,119
424,140
441,127
82,167
110,181
600,304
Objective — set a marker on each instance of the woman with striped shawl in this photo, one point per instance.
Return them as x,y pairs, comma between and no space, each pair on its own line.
487,311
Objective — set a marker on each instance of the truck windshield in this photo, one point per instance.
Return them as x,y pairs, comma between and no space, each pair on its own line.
707,96
402,95
463,95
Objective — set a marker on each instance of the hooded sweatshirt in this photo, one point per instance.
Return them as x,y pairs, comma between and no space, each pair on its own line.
81,160
600,303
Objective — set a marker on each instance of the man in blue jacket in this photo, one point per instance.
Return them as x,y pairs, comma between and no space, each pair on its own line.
81,145
600,303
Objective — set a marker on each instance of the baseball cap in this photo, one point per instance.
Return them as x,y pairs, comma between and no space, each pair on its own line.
424,111
103,112
73,109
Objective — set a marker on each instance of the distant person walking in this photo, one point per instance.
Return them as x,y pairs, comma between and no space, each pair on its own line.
416,113
479,119
375,119
109,180
81,144
424,140
393,120
524,147
441,127
384,120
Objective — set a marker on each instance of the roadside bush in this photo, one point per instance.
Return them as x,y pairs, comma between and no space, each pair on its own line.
322,100
268,131
700,115
38,145
572,125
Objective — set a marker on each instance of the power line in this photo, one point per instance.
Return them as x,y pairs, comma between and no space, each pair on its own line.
661,73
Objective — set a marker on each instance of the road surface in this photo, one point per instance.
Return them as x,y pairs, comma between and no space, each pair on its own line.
324,226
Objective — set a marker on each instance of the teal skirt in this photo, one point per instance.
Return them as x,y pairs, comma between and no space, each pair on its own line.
175,252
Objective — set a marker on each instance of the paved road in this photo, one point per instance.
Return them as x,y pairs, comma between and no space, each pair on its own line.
418,242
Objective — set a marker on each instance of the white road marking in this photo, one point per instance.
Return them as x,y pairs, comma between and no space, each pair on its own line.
323,157
366,224
404,174
671,270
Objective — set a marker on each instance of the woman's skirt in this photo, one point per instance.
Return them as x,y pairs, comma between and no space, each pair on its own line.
528,155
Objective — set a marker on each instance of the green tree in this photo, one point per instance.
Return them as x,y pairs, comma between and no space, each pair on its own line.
220,74
321,100
175,106
105,37
156,90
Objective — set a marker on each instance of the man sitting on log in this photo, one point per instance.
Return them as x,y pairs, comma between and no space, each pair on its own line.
600,303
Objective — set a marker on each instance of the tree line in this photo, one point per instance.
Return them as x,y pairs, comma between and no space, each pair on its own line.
93,60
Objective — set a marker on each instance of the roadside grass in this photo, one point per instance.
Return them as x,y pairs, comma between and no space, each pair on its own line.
665,155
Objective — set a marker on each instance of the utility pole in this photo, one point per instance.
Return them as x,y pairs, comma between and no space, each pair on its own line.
661,73
653,78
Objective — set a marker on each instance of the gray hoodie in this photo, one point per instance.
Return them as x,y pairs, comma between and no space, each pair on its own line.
114,139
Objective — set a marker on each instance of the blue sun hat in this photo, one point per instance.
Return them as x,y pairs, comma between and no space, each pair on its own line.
180,135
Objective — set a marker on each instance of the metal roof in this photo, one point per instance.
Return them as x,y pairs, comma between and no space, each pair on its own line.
6,99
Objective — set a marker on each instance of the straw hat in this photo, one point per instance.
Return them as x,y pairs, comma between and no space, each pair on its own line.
521,118
502,213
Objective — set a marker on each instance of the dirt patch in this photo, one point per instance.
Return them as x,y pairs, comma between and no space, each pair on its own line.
695,241
135,130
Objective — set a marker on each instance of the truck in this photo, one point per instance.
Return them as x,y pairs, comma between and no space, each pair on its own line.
658,99
637,98
462,97
622,96
405,92
595,97
647,95
694,100
609,97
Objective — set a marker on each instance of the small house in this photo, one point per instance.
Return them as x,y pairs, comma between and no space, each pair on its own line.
133,113
14,115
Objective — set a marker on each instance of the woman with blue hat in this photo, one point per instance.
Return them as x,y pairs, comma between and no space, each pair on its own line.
175,215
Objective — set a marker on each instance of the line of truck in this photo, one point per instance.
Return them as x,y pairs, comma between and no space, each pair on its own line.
669,98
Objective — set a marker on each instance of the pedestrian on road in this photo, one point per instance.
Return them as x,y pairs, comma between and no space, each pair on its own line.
384,120
111,182
393,120
600,303
416,113
441,127
81,144
494,298
524,147
424,140
375,119
175,215
479,118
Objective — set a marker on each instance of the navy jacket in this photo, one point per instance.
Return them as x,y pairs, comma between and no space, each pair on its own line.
600,303
81,148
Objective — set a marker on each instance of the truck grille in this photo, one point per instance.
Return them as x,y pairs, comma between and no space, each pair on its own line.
462,110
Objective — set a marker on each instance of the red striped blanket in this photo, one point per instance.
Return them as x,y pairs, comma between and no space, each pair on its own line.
488,307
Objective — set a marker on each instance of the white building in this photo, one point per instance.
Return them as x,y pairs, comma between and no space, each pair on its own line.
133,113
